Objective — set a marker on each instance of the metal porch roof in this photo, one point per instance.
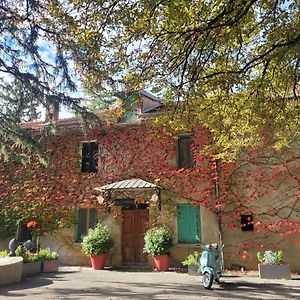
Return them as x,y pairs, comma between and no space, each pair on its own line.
128,184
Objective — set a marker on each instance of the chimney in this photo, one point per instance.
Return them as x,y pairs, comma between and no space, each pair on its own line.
53,114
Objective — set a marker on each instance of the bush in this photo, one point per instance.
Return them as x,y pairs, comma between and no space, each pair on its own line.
26,254
97,241
191,259
46,254
158,241
270,257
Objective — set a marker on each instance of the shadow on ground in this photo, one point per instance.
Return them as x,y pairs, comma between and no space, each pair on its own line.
101,287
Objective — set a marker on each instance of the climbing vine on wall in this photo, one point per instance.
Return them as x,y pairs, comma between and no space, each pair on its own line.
263,183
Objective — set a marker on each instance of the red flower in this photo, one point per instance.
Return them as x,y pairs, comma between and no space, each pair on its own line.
32,224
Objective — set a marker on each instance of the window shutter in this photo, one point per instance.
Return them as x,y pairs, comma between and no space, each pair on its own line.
81,229
93,157
177,153
181,222
93,218
85,158
184,155
198,234
76,225
89,159
188,223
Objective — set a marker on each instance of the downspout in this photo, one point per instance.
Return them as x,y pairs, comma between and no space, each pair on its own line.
217,193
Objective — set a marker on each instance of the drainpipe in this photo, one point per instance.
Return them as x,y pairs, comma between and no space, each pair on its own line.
217,193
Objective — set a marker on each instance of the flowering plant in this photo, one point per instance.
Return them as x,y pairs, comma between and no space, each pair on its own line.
270,257
32,224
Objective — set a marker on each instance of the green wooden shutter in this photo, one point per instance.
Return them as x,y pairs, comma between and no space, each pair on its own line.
76,225
93,218
188,223
197,235
81,228
181,219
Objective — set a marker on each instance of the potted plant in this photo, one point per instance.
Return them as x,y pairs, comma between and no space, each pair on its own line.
97,244
31,262
271,265
192,262
158,243
49,260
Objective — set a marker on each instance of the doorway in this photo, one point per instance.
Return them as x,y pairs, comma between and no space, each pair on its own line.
135,224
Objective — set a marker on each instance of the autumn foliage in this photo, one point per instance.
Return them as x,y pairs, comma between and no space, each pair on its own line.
264,184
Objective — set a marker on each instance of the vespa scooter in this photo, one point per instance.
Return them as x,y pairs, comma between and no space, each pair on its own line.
211,264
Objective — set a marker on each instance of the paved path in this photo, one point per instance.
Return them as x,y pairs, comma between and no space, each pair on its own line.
85,283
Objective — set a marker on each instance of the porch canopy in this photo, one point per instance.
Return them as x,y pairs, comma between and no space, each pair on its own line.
128,184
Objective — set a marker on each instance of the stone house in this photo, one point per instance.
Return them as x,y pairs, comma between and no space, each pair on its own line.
132,175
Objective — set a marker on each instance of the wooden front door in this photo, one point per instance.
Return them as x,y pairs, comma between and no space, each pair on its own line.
135,224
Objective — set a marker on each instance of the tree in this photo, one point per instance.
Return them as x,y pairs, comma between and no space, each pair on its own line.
236,63
29,79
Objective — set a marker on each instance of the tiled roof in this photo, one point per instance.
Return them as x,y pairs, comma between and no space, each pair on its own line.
61,123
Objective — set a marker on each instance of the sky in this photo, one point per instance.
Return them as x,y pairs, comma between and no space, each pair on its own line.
47,52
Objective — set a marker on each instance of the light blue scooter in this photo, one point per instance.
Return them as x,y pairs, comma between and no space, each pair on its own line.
211,264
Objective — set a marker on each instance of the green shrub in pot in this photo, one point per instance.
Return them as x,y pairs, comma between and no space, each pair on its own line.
158,241
97,241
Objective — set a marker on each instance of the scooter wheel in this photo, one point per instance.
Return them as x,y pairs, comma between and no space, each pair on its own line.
207,280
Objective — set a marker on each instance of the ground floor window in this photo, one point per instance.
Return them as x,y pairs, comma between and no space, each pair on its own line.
247,223
188,223
86,218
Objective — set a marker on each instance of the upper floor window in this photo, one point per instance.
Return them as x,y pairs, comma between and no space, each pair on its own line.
89,158
184,153
247,223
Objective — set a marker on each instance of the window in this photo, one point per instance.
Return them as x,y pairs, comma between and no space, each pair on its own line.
247,223
184,154
89,162
188,224
86,219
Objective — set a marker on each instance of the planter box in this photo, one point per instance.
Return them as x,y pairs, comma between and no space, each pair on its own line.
10,270
274,271
49,266
32,268
193,270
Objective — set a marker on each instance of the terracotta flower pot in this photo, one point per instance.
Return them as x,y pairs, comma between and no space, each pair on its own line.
98,261
162,262
49,266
